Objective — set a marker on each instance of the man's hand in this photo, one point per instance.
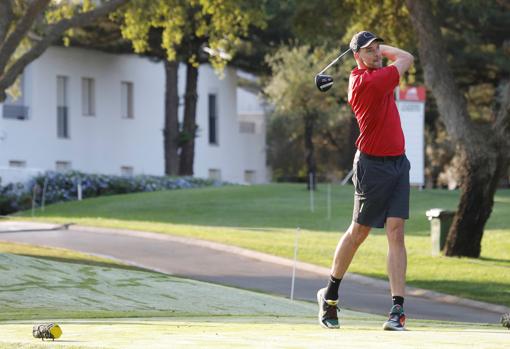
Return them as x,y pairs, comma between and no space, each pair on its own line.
400,58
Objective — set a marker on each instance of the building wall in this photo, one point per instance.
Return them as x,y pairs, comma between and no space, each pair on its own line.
105,142
252,114
101,143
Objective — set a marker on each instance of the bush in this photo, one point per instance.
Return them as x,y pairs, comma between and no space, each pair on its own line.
64,187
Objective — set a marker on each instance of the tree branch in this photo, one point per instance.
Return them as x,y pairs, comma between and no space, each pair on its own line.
52,33
8,47
6,18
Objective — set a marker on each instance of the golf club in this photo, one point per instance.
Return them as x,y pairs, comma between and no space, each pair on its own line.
323,81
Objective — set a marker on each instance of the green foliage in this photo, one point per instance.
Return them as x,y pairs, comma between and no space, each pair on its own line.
388,19
292,90
291,87
216,23
140,15
285,143
322,23
64,186
260,42
59,10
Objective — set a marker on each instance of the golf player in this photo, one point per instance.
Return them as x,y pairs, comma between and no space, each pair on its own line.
381,173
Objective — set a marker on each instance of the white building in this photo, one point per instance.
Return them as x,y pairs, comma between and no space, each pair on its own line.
102,113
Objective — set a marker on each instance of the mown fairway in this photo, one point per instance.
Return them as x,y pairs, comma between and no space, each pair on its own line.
100,304
265,218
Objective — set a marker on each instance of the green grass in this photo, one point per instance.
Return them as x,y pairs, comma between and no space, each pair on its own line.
258,332
35,288
100,306
264,218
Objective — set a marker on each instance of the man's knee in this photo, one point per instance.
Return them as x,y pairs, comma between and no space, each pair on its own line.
395,231
358,233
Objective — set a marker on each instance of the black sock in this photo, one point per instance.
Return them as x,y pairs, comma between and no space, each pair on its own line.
398,300
332,289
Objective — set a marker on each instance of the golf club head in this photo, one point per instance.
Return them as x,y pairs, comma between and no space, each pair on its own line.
323,82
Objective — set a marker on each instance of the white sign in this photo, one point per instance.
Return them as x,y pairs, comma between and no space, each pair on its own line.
412,117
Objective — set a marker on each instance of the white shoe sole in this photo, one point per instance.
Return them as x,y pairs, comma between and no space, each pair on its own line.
388,326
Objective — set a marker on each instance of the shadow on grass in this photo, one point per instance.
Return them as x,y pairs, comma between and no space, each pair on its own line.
86,262
491,292
497,260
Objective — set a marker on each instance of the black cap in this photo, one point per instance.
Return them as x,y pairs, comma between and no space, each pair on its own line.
363,39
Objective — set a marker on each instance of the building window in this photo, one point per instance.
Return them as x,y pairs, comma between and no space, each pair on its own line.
246,127
62,108
88,97
62,166
127,100
249,176
126,170
17,163
215,174
14,107
213,120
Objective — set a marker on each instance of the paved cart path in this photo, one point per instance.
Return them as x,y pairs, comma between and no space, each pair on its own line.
217,263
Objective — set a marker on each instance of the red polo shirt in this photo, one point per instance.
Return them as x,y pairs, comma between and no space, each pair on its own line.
372,100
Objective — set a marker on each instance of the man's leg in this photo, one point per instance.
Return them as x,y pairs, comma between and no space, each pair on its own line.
397,265
328,297
397,256
347,247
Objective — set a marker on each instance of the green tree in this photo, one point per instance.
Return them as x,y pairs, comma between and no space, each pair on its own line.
295,96
186,28
332,141
262,41
289,23
483,146
27,28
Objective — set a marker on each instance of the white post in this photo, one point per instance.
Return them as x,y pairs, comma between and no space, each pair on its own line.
43,199
79,191
329,201
312,203
34,193
294,266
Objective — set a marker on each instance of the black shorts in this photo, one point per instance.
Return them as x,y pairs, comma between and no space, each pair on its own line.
381,189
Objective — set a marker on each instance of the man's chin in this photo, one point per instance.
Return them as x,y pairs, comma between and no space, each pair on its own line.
375,65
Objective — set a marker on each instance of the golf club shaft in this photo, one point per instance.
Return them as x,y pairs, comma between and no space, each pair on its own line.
336,60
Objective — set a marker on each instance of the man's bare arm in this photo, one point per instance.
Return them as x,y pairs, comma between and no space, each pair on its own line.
400,58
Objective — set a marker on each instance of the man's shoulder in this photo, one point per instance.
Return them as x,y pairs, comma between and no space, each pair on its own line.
385,78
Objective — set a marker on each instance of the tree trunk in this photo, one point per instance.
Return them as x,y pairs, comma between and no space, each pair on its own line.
171,130
189,125
478,185
309,121
481,160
